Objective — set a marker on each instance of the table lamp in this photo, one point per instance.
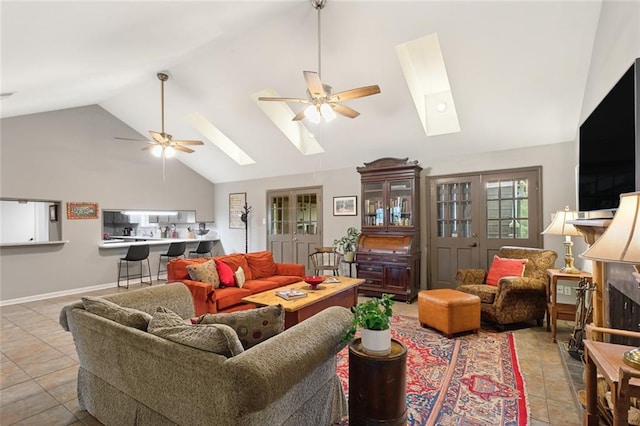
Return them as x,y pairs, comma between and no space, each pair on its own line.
559,226
620,243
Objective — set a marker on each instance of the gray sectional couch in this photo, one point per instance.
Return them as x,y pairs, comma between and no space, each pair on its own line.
129,376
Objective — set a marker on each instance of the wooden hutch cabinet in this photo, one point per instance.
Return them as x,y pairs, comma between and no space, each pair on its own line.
388,252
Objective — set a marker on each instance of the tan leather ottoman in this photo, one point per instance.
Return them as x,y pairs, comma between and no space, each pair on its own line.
449,311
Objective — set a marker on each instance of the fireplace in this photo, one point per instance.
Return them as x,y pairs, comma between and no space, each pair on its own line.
622,302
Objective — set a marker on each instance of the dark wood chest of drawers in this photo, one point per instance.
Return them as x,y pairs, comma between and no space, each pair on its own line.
388,264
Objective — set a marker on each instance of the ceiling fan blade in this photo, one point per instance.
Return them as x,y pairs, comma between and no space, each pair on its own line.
314,84
148,147
345,110
159,137
355,93
299,116
130,139
188,142
299,100
182,148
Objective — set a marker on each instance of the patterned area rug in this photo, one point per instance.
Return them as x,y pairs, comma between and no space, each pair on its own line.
470,380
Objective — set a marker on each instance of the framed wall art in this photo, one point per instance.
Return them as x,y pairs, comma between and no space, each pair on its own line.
53,213
236,208
80,210
345,206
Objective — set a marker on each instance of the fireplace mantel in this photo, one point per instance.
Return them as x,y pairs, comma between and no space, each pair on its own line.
592,229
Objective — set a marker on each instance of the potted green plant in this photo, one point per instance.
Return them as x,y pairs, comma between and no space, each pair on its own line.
347,244
374,318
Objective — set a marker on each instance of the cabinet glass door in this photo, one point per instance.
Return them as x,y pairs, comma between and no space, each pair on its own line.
373,204
454,218
400,208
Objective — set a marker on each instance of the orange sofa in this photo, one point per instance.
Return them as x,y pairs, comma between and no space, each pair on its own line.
261,273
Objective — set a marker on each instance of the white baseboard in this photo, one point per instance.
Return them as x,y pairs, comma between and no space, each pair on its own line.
45,296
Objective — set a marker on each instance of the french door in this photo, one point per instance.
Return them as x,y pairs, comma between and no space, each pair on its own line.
295,224
471,216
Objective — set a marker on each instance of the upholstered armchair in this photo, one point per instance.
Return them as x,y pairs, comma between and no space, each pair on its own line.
514,298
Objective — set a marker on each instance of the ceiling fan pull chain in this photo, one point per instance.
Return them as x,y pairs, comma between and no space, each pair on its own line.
163,160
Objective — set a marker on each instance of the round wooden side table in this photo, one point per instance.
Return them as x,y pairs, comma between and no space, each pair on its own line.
377,386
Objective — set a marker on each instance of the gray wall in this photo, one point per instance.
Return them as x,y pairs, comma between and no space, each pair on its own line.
558,191
616,46
71,155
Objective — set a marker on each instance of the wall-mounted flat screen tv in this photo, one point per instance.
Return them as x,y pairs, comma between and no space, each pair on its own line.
609,146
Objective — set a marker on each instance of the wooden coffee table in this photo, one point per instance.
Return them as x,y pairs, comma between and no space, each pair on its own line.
344,293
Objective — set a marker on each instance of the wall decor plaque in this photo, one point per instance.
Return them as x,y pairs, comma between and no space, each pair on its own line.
80,210
237,202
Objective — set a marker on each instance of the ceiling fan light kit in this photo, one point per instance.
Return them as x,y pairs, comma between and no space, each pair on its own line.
323,102
160,151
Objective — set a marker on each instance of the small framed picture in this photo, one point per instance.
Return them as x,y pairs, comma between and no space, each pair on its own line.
345,206
53,213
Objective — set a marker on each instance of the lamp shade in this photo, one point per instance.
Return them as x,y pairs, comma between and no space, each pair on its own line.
559,225
620,242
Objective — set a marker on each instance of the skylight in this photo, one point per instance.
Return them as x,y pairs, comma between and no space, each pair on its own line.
219,139
423,66
281,115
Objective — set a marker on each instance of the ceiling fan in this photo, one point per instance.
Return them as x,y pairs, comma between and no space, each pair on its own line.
323,103
163,145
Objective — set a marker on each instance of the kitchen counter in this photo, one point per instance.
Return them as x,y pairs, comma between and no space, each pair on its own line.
121,242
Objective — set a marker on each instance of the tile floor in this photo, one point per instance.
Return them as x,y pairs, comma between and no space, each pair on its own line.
38,368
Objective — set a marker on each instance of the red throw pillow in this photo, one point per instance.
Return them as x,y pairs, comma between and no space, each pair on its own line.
227,277
505,268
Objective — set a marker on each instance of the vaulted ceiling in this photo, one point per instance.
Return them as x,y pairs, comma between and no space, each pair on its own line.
517,71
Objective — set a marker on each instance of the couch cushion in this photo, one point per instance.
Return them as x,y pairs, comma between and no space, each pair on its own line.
486,293
284,279
217,338
229,296
236,260
258,286
240,278
114,312
505,268
225,273
204,272
252,326
261,264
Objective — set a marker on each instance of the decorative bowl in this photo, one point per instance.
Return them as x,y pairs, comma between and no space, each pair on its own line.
314,281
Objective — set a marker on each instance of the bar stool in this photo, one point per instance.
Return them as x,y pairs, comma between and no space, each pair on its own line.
136,253
174,250
204,247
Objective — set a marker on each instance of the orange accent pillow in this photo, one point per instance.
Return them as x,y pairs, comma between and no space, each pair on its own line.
227,277
505,268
